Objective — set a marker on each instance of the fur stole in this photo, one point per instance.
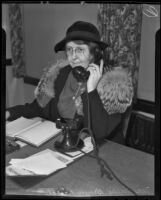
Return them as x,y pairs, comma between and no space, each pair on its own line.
115,88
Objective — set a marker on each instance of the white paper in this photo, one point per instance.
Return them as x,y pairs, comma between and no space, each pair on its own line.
16,171
42,164
45,162
61,157
39,134
88,147
20,125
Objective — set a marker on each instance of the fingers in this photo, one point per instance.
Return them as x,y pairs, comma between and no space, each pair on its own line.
95,75
93,68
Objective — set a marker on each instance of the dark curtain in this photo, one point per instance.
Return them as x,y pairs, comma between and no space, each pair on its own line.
17,39
120,26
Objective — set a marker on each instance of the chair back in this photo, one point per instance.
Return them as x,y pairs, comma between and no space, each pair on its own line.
140,132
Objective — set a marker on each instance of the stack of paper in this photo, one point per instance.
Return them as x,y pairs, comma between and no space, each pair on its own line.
45,162
42,163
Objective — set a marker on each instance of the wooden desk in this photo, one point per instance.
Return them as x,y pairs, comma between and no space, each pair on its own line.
82,178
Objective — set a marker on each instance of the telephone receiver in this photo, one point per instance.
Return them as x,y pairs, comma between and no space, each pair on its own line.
81,74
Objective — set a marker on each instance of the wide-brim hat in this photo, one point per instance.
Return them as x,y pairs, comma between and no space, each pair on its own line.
81,30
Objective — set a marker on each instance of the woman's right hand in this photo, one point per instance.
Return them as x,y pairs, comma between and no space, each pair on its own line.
7,115
95,75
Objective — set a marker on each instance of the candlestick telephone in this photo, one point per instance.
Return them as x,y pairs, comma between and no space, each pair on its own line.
80,73
70,131
71,128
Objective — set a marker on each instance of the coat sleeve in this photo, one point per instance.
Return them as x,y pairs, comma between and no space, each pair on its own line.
31,110
49,109
102,124
108,101
28,110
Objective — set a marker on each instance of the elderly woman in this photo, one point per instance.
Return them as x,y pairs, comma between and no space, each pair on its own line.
60,94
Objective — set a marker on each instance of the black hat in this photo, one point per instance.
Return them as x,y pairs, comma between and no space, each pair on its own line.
81,31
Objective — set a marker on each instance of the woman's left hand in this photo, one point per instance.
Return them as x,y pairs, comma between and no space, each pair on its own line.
95,75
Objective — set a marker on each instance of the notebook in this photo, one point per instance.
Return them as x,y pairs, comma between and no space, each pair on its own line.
34,131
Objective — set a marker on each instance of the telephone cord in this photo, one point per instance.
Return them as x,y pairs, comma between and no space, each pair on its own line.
102,163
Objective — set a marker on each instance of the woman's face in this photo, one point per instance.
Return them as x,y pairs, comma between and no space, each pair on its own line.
78,54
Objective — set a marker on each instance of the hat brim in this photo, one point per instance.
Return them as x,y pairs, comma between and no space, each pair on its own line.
60,46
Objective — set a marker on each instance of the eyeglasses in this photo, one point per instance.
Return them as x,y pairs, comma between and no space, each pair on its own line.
78,51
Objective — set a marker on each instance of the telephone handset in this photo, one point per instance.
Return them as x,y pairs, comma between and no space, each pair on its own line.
81,74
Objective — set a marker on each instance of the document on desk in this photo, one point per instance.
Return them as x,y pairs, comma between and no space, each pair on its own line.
41,164
34,131
45,162
88,147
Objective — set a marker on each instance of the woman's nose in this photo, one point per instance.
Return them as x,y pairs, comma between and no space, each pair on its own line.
74,54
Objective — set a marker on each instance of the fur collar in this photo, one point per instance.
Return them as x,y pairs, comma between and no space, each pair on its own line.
115,88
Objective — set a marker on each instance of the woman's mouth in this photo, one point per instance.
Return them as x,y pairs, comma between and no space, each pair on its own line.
76,64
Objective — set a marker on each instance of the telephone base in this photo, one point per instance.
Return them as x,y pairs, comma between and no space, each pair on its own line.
60,147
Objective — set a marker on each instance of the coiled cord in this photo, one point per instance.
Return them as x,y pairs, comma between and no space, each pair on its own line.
104,167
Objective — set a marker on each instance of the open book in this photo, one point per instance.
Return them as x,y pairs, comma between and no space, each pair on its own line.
33,131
